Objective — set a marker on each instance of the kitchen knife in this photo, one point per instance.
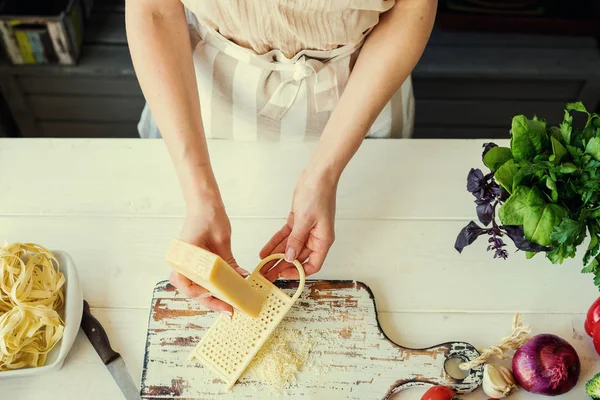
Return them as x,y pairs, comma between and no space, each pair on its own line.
113,360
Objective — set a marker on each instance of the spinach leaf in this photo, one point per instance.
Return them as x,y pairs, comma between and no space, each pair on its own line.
527,207
528,137
505,175
540,220
487,147
518,237
496,157
512,211
519,204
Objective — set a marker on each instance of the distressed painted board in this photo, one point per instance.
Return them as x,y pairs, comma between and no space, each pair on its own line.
360,361
84,376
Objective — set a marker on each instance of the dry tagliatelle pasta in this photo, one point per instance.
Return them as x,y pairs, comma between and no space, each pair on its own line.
31,292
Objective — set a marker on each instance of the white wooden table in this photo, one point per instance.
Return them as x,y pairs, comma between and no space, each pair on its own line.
115,204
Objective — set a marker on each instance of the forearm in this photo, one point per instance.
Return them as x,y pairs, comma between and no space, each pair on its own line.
161,52
386,60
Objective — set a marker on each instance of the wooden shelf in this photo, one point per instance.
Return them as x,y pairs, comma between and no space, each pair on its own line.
104,52
467,84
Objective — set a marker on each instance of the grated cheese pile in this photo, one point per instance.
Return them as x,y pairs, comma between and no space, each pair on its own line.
280,359
31,292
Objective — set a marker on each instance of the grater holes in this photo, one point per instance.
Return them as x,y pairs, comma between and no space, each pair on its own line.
231,342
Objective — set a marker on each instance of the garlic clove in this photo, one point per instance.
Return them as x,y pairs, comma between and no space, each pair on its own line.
498,381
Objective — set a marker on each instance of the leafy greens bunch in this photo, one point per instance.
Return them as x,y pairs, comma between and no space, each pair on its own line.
544,189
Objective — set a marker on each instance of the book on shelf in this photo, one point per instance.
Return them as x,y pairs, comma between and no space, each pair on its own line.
54,35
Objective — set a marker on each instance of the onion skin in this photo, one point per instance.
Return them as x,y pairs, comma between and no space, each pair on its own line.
546,365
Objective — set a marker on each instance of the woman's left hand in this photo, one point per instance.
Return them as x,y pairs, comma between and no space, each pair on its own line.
309,232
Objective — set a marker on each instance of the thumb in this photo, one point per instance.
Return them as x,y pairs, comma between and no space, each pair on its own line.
297,239
229,259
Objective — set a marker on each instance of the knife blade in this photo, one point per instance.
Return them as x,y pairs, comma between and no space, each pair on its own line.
113,360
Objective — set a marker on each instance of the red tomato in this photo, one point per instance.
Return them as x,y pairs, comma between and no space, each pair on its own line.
440,393
597,346
593,316
596,337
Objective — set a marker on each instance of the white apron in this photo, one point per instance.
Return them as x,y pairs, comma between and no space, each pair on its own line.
248,97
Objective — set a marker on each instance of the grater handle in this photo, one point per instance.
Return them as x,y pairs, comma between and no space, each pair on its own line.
280,256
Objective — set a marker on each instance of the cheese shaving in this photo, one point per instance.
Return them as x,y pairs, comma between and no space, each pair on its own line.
280,359
31,292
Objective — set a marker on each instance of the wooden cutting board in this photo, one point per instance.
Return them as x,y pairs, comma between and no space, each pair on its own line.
360,360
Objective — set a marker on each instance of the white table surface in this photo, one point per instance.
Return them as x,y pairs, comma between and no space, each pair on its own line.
115,204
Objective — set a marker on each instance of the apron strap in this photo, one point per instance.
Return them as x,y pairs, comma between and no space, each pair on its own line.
305,64
325,89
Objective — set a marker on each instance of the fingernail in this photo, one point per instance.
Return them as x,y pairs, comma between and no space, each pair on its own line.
228,313
290,255
203,296
243,272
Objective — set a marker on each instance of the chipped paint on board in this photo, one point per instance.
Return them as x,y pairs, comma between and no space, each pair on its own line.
360,360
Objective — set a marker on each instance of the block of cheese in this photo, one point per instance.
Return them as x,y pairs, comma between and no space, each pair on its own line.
212,273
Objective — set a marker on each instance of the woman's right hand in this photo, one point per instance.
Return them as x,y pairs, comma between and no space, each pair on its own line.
207,226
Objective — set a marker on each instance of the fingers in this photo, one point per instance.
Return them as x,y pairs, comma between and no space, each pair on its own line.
199,294
315,262
212,303
312,266
297,239
231,261
291,273
319,243
224,251
275,242
275,272
278,248
189,288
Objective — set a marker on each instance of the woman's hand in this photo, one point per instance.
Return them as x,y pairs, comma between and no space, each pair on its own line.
207,226
309,232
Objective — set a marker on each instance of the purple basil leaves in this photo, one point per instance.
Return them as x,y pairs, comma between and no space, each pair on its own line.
485,211
467,235
486,191
475,181
488,195
496,243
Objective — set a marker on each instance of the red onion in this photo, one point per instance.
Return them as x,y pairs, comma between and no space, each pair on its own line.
546,365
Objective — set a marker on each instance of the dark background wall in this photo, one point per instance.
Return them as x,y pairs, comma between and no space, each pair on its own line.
482,66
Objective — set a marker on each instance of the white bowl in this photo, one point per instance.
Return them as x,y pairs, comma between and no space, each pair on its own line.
71,314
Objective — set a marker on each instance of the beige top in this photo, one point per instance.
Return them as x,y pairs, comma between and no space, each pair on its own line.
289,25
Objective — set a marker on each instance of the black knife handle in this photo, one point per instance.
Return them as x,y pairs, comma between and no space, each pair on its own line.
97,335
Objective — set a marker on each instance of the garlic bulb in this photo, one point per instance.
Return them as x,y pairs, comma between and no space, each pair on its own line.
498,381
